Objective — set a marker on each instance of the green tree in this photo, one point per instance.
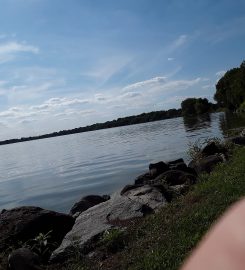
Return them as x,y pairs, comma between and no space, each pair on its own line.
188,106
193,106
202,105
230,89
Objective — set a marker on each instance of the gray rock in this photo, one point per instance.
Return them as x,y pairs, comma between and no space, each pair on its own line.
239,140
93,222
176,161
180,165
147,195
206,164
158,168
143,179
212,148
128,188
175,177
87,202
23,259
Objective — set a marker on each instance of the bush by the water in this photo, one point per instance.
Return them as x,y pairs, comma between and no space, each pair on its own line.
194,106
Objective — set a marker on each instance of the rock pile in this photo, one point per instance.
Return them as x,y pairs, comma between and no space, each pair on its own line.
90,217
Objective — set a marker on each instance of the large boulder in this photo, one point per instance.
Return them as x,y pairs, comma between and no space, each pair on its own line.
23,259
148,195
143,179
175,177
118,211
180,165
128,188
239,140
25,223
206,164
87,202
174,162
212,148
158,168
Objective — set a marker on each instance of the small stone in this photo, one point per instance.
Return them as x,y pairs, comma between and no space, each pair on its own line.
23,259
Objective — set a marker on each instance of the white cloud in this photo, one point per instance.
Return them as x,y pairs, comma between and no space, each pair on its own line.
2,83
220,73
9,50
56,103
207,86
27,121
100,97
178,84
153,81
131,95
69,114
103,69
162,84
170,58
13,47
180,41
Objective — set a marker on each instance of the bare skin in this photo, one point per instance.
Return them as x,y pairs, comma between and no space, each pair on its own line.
223,248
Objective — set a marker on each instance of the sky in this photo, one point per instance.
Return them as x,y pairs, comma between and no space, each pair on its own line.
71,63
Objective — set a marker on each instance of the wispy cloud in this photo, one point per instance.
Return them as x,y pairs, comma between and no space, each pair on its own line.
207,86
180,41
9,50
161,84
153,81
55,103
103,69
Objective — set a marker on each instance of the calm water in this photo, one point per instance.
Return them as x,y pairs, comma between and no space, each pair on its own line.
54,173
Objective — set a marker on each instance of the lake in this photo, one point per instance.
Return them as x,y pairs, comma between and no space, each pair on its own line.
54,173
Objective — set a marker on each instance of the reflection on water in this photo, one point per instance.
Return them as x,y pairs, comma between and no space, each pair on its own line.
54,173
231,121
197,122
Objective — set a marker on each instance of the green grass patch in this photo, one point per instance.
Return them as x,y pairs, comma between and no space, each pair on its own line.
163,240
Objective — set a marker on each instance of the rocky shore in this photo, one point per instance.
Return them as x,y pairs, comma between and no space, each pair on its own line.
32,238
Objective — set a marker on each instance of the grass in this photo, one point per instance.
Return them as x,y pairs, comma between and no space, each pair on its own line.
113,240
165,239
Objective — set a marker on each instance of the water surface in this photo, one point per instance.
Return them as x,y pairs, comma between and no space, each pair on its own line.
54,173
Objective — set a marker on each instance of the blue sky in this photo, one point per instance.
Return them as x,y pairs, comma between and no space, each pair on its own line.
69,63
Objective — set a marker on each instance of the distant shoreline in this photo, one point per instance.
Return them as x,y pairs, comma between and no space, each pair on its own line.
124,121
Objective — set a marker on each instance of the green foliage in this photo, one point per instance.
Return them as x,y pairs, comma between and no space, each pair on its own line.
113,240
194,106
242,107
230,89
195,149
40,245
